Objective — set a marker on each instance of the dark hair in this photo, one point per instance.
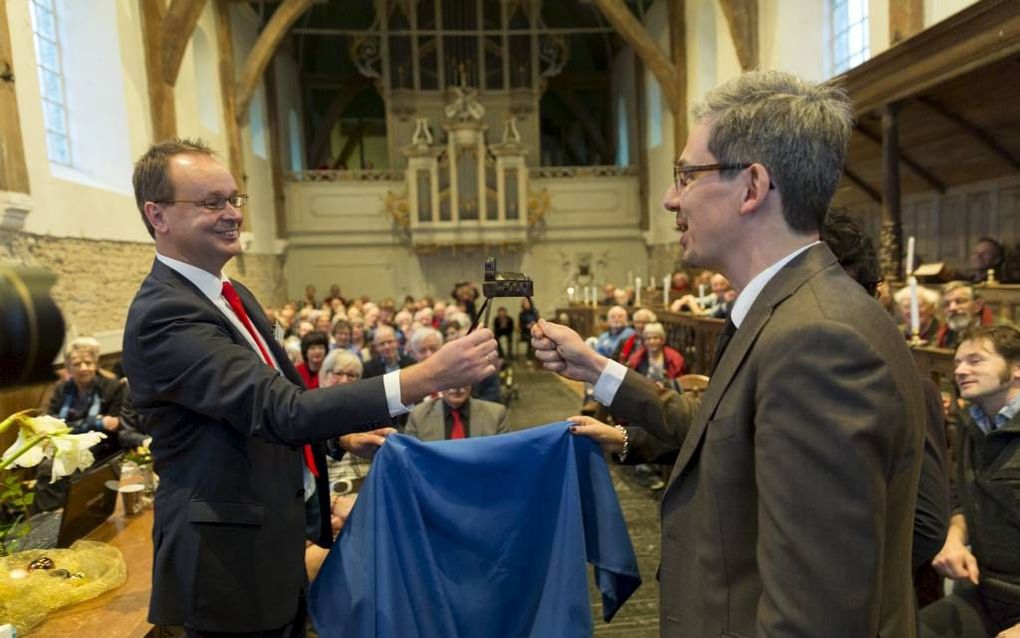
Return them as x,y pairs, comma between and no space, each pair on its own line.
999,251
151,178
313,338
341,324
853,248
1005,340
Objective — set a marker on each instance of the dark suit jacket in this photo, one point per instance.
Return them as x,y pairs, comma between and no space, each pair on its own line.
427,421
229,523
790,508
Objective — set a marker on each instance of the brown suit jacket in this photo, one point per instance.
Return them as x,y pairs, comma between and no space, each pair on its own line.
427,420
790,507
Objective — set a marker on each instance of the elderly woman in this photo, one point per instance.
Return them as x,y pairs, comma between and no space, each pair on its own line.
87,401
350,455
654,359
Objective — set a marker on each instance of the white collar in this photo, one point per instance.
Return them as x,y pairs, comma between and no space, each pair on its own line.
210,285
754,287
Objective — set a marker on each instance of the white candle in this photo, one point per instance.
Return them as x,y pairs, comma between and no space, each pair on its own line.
915,313
570,294
637,291
910,255
701,290
594,297
665,292
651,282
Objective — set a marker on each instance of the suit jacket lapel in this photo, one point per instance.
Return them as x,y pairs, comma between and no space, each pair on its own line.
437,420
785,283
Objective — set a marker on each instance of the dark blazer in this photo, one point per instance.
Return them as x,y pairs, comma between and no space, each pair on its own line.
229,523
376,368
790,507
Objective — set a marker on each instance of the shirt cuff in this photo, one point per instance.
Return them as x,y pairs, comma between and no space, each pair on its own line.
609,382
391,382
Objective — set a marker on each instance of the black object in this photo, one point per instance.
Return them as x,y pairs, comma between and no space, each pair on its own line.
31,328
502,284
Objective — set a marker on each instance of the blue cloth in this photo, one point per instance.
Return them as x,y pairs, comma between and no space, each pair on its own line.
481,536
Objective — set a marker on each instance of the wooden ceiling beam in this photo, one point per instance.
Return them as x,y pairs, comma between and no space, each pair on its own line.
265,47
859,182
742,18
906,17
676,14
634,33
975,131
161,94
225,47
176,28
933,180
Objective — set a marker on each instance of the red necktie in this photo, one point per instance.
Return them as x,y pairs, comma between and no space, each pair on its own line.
230,294
457,431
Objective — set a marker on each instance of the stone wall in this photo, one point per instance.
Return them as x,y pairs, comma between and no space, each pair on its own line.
96,280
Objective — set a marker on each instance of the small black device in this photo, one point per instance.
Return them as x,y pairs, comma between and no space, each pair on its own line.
505,284
502,284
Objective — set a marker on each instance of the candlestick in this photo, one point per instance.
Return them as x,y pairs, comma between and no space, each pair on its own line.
910,256
665,292
570,294
701,290
637,291
915,313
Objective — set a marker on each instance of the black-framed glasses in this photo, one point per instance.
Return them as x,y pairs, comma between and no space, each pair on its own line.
682,172
212,203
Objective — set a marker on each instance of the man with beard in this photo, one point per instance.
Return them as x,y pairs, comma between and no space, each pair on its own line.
963,310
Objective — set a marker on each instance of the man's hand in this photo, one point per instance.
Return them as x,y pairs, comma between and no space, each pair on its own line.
111,423
956,561
365,444
340,509
1012,632
561,350
459,363
609,438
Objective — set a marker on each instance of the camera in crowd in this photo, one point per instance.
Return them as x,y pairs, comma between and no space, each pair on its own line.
505,284
31,327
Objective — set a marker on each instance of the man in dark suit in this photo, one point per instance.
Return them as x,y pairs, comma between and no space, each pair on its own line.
229,416
456,416
790,507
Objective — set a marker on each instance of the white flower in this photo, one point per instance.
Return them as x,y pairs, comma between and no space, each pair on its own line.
32,457
71,452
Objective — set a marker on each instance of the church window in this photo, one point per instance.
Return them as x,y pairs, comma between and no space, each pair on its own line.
51,80
850,42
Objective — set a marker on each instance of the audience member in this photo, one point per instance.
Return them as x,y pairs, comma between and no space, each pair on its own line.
982,549
334,295
617,331
630,345
87,402
388,356
963,310
313,350
359,339
503,328
456,416
424,343
680,283
655,360
525,319
309,300
988,254
927,305
715,304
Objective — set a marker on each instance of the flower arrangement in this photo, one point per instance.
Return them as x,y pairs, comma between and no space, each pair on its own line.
40,437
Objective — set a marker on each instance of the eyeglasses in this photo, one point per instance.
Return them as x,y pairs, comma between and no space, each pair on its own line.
682,172
212,203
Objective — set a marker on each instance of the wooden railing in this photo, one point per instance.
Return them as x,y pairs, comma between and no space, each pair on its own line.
695,338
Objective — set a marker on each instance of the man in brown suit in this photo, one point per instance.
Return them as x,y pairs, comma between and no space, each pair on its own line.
790,508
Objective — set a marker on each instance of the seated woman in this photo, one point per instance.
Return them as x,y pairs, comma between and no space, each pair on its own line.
313,350
655,360
86,401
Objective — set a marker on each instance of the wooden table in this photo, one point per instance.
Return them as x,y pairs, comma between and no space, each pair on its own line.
121,612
